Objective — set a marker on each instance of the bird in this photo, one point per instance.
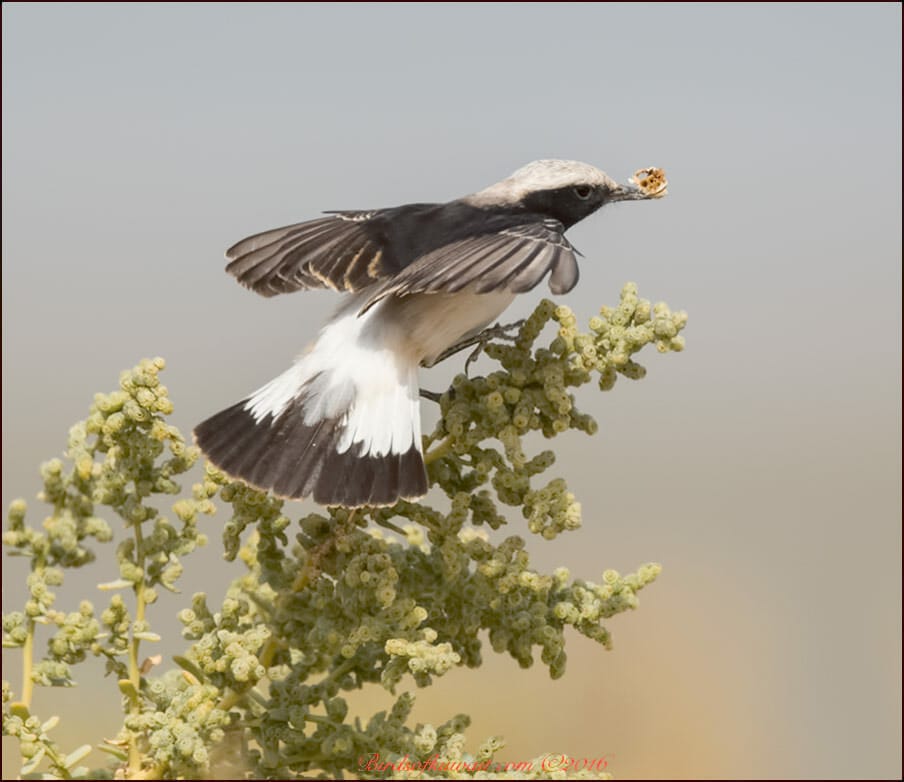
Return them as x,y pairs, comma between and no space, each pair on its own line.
342,424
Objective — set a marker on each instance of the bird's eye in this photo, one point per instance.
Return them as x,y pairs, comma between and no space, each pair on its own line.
583,192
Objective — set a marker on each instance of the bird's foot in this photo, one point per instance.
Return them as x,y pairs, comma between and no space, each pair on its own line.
433,396
479,342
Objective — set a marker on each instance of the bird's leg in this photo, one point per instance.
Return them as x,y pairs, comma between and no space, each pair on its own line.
433,396
481,340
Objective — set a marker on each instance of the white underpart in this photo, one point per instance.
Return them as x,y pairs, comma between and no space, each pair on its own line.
541,175
364,368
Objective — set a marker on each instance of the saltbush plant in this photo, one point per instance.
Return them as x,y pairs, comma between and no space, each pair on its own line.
341,599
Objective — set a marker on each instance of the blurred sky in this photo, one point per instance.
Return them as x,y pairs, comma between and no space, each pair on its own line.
761,467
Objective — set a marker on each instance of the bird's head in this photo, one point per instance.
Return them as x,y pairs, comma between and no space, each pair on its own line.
568,190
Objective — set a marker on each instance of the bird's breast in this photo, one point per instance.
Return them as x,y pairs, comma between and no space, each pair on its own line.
425,324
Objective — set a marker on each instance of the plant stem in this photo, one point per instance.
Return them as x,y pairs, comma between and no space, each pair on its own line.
57,761
28,649
441,450
230,699
134,643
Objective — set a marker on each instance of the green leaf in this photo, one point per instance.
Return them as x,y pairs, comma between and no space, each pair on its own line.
116,752
120,583
50,724
32,764
76,755
127,688
187,665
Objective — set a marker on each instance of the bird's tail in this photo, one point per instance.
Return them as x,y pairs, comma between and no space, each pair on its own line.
341,425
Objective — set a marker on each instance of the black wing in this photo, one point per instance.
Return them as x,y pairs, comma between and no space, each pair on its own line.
513,258
346,251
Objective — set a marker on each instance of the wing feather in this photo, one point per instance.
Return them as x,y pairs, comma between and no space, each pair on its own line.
514,258
338,252
419,248
515,276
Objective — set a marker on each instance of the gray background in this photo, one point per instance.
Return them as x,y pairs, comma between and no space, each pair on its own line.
761,467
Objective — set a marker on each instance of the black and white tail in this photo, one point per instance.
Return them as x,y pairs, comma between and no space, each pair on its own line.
342,425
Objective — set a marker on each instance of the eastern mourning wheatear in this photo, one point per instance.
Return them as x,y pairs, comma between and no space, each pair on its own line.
343,423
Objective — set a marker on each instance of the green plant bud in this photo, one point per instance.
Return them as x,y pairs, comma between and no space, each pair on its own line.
633,371
385,596
664,328
559,345
560,424
512,395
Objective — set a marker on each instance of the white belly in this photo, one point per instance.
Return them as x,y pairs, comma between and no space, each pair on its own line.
425,324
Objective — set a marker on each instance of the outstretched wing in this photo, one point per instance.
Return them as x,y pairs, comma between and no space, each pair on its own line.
345,251
513,258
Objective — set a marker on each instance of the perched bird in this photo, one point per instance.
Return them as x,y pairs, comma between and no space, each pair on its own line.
343,423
